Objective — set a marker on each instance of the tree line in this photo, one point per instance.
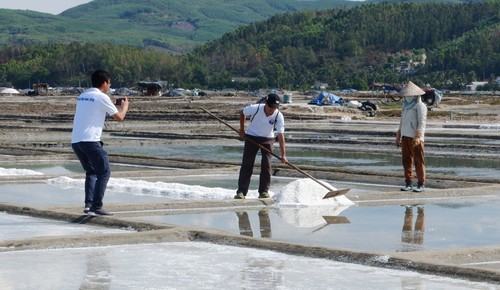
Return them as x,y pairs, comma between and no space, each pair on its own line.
443,45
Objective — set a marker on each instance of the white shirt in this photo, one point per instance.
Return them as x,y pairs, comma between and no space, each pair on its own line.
262,125
91,109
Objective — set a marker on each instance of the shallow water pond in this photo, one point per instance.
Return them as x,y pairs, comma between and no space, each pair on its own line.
322,156
374,229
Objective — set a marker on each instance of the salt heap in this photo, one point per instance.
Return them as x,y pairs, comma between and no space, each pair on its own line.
307,192
176,191
301,204
17,172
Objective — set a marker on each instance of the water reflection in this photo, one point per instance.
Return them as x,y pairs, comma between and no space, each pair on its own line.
264,272
264,223
320,156
98,274
412,238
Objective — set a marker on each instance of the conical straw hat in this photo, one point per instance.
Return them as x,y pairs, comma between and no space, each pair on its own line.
411,90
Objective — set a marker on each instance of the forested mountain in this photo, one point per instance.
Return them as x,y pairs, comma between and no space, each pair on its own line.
443,45
173,25
437,44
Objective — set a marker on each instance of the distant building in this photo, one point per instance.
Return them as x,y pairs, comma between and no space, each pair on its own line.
472,87
320,86
41,89
385,87
244,80
151,88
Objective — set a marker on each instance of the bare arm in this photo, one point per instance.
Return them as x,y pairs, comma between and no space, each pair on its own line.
398,138
281,141
120,116
242,125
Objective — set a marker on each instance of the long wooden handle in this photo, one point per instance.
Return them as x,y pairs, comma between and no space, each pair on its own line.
268,151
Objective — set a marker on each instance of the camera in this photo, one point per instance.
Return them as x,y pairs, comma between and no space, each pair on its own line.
119,101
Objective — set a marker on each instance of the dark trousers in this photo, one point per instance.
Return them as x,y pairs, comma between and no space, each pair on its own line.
246,170
95,162
246,228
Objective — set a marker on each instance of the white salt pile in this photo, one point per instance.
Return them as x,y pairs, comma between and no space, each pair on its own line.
309,193
301,204
140,187
301,192
17,172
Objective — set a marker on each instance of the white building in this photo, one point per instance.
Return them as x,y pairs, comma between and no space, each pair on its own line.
473,86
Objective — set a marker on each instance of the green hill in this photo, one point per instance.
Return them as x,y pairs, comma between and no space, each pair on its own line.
391,42
443,45
173,25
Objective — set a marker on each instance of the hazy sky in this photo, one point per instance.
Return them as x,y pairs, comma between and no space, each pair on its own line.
52,6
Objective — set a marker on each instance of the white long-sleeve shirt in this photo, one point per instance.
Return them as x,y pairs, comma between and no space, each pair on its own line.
413,120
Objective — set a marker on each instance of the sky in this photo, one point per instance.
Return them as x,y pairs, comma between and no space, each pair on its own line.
53,6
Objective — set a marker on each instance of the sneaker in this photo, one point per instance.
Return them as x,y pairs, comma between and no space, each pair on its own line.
408,186
87,207
264,195
99,212
239,195
419,188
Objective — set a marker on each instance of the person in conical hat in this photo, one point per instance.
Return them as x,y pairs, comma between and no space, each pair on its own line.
411,90
410,136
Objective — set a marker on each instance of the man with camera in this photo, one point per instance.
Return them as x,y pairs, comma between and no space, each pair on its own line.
92,107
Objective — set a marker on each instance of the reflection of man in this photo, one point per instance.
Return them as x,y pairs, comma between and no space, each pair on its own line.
262,271
98,272
246,228
244,224
409,235
265,224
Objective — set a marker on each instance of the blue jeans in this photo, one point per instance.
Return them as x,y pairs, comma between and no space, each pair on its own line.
95,162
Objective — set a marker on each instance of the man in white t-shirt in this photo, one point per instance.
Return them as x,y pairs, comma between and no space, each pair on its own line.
265,119
92,107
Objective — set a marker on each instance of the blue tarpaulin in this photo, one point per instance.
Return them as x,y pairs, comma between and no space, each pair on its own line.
325,98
